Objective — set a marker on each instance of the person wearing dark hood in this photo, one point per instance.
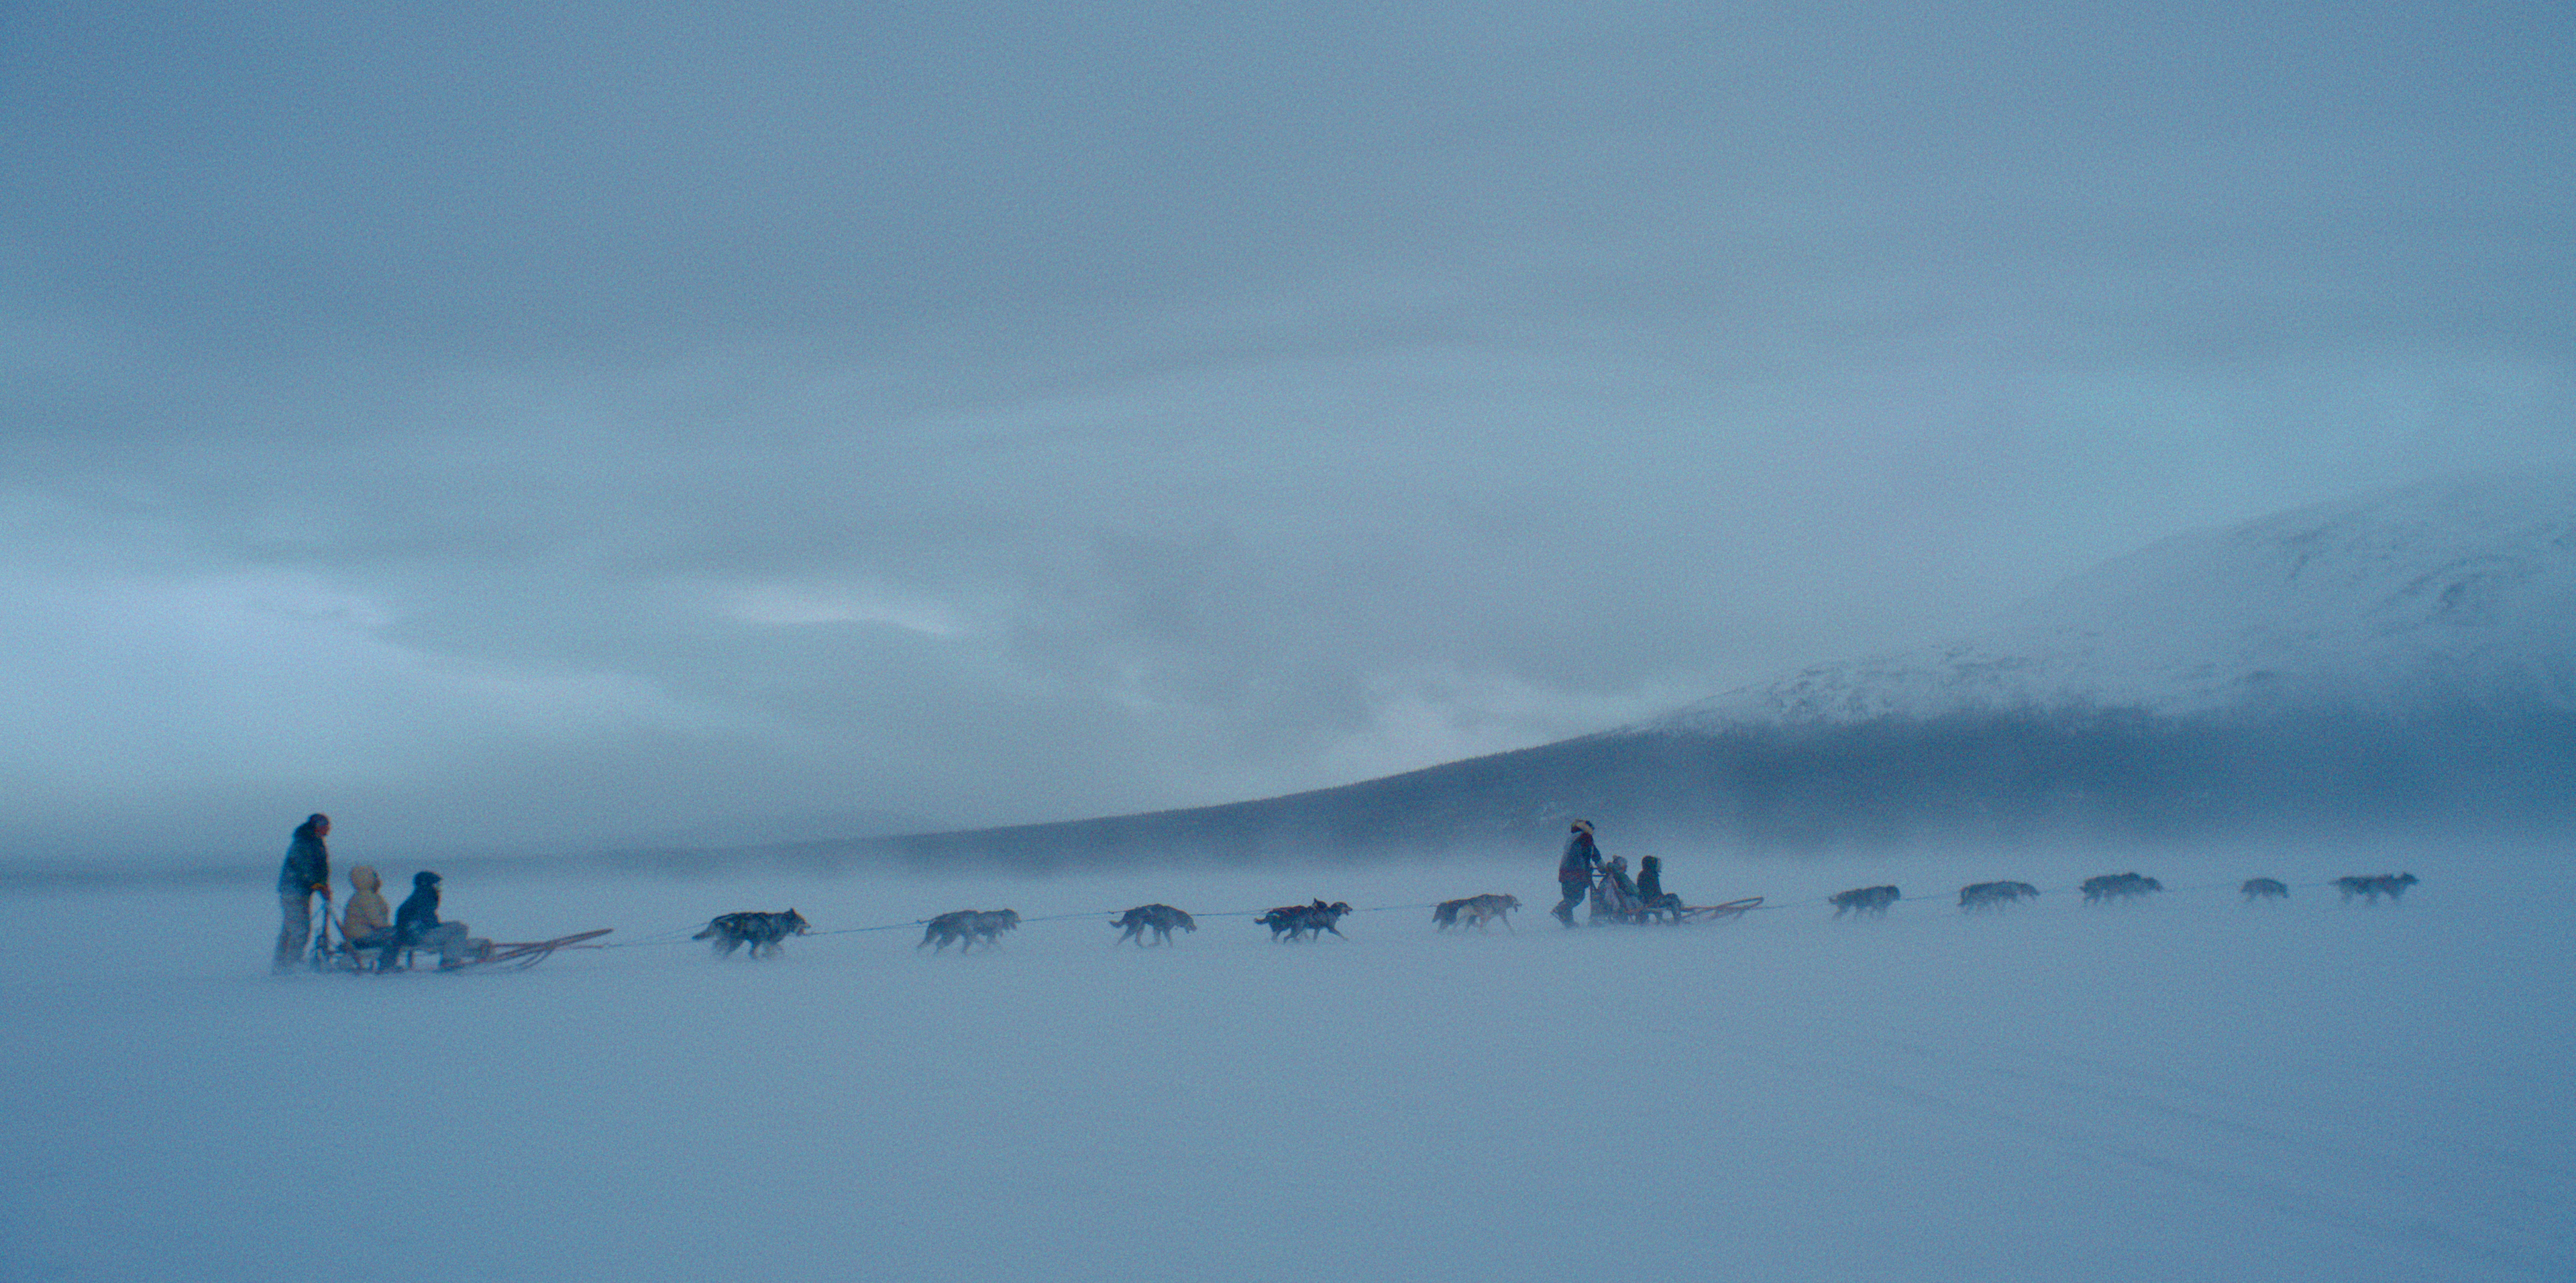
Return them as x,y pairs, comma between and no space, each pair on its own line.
1574,871
1651,895
306,871
416,926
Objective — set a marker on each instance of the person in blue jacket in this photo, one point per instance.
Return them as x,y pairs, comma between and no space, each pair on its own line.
1574,870
306,871
416,926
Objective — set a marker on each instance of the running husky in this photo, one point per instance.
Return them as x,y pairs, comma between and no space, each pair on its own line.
964,927
2264,889
2392,885
1159,918
1475,911
1995,895
1864,900
762,931
1297,921
2118,886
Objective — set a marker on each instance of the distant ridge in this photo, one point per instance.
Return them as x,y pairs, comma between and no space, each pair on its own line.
2405,659
2461,591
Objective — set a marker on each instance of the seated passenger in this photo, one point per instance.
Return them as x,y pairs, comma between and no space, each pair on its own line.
369,923
416,926
1618,893
1650,888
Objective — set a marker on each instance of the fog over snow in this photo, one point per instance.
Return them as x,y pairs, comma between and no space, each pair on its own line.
2189,1087
538,430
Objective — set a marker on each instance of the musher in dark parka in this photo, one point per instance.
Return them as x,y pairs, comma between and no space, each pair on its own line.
1574,871
416,926
306,871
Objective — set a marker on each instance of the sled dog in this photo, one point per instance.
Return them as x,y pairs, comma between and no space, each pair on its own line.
1864,900
1475,911
964,927
2118,886
1297,921
1995,895
1158,918
2392,885
762,931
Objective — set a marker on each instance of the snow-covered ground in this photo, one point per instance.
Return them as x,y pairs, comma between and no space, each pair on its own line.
2188,1088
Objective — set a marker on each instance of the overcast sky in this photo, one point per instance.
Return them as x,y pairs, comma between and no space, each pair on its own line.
515,427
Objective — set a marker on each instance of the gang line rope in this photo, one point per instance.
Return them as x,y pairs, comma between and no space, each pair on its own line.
678,935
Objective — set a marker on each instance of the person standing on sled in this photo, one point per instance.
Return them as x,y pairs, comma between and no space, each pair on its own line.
307,870
1574,871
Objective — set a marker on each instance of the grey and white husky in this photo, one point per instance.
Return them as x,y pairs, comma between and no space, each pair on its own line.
1157,918
1297,921
1475,911
762,931
967,927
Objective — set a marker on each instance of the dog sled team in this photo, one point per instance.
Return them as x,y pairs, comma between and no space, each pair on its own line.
376,938
372,938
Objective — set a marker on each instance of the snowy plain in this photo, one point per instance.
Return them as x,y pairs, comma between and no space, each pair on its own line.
2186,1088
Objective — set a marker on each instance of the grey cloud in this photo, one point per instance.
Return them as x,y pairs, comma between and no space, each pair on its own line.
1001,414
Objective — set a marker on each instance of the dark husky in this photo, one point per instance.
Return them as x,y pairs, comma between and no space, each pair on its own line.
1864,900
1995,895
2264,889
1475,911
990,924
2118,886
762,931
1297,921
964,927
1159,918
2392,885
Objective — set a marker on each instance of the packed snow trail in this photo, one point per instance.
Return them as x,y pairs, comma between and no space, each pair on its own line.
2184,1088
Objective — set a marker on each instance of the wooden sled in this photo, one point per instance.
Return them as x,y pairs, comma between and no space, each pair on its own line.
516,957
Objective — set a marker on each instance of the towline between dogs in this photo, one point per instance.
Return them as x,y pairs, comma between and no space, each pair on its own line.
1719,913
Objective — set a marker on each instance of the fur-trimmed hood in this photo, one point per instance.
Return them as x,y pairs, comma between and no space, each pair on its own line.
368,911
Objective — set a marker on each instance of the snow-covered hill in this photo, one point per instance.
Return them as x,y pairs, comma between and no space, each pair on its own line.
2398,661
2445,594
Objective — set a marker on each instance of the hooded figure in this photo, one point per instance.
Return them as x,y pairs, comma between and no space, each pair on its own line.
1574,871
307,870
419,912
369,921
1618,871
1650,889
416,926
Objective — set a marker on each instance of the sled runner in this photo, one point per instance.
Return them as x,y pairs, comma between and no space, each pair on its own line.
523,956
1612,902
1717,912
518,957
